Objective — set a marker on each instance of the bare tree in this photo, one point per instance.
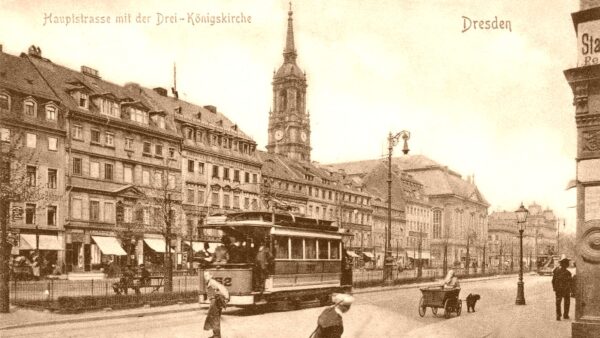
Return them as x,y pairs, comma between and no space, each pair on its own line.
17,184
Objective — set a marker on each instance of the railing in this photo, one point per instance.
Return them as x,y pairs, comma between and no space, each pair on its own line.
187,281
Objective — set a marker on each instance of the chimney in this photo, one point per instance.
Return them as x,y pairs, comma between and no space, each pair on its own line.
199,115
0,48
161,91
212,109
90,72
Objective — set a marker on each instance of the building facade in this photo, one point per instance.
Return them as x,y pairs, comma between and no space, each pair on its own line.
539,238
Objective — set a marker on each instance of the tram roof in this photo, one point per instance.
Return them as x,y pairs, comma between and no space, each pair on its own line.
265,219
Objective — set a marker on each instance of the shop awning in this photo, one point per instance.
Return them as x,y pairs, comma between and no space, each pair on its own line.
109,245
368,254
46,242
156,244
352,254
415,254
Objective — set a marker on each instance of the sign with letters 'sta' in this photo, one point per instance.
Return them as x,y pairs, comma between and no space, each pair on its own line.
588,43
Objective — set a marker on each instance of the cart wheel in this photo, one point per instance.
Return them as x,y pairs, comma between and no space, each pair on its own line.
422,307
434,310
447,308
458,307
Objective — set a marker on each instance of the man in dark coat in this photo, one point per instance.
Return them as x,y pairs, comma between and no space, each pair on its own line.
261,267
330,323
561,284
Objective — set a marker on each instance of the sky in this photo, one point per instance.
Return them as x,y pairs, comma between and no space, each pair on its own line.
493,103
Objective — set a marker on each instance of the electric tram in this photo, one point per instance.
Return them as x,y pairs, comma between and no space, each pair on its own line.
308,265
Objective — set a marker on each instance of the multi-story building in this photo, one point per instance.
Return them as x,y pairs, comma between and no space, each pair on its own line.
220,171
455,210
539,238
32,125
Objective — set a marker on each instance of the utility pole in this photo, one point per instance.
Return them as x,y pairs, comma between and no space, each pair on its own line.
169,262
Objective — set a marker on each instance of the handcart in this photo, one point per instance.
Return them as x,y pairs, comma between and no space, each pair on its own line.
438,297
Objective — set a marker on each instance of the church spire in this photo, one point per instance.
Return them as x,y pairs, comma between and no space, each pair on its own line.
289,53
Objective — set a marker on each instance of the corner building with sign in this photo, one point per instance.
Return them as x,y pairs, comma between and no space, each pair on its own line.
585,85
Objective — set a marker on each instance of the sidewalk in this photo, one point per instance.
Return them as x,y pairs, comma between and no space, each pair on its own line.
22,317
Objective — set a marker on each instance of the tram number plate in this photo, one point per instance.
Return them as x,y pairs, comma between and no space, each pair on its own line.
224,280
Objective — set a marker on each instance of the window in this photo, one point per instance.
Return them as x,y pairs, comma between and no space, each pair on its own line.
94,210
437,224
190,195
146,177
171,182
201,196
323,249
335,249
95,136
95,169
29,213
52,178
76,208
246,203
297,248
31,140
29,107
215,199
158,150
52,143
83,100
189,133
254,205
4,135
76,166
128,143
171,152
200,168
215,171
226,201
190,166
50,113
158,179
147,148
310,245
236,175
281,248
51,215
110,139
246,177
4,101
108,171
31,176
236,201
226,173
78,132
127,174
254,178
109,212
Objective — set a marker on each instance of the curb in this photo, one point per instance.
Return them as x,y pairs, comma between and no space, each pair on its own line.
195,307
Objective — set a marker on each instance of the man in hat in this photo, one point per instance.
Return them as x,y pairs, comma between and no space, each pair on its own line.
330,323
561,284
218,296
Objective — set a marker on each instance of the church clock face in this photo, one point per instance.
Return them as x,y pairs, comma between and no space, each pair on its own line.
278,135
303,136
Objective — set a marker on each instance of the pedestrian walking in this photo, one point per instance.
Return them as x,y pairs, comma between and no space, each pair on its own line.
330,323
561,284
218,296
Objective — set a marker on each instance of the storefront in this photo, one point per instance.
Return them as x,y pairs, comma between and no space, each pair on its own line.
49,248
93,251
152,253
413,257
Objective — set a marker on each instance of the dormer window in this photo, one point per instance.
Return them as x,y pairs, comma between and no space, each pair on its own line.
29,107
137,115
189,133
84,100
51,112
109,107
4,101
160,121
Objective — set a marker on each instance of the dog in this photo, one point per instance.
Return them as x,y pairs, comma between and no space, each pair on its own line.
471,300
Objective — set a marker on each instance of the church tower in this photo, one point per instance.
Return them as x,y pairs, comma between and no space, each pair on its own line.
289,122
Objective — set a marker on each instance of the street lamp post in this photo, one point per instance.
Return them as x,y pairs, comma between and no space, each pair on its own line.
389,260
521,219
